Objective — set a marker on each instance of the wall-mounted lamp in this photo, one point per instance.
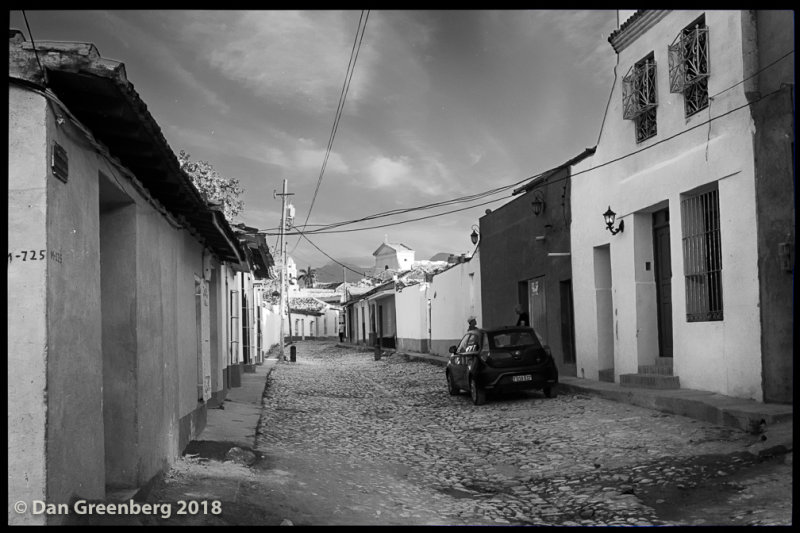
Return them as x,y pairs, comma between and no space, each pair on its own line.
475,234
538,203
610,216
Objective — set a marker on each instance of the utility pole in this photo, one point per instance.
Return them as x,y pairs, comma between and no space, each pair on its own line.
284,295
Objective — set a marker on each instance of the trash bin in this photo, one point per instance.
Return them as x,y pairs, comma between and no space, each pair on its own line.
378,352
293,354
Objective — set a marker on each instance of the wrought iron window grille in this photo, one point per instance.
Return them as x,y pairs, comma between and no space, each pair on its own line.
702,257
689,67
639,99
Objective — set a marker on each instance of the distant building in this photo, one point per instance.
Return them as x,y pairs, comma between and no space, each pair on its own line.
395,257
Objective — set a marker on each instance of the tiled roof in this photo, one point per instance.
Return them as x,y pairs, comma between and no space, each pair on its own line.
307,305
633,18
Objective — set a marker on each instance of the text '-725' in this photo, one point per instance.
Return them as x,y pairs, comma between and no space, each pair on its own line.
27,255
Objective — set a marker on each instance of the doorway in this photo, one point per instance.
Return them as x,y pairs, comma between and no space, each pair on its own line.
604,305
663,277
119,343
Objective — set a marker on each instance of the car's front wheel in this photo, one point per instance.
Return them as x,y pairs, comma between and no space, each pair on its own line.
451,385
478,394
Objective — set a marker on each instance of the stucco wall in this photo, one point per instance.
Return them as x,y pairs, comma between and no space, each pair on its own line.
27,331
774,137
515,244
75,447
715,356
412,318
57,323
451,305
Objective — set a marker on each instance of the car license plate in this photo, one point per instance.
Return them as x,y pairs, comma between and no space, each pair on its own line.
526,377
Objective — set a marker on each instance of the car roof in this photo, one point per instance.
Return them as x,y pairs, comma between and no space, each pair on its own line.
501,329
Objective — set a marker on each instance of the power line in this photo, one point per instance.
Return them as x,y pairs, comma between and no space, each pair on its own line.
340,107
33,44
302,234
462,199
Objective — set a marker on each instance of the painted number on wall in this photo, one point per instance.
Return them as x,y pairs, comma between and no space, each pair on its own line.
28,255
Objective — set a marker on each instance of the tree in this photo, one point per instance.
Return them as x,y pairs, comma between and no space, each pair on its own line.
309,277
215,189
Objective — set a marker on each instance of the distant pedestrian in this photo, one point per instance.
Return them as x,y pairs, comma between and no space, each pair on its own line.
473,324
522,316
341,331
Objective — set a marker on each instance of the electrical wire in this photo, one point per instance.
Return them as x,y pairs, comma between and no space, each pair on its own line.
303,235
35,51
462,199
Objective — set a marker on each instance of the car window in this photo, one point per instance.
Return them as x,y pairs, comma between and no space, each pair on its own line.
473,344
462,346
510,338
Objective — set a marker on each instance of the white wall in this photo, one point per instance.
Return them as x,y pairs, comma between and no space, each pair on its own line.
451,305
27,339
412,317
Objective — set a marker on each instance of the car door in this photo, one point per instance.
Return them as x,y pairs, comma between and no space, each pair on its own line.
472,349
460,360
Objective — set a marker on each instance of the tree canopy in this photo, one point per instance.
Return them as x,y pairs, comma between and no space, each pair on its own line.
216,189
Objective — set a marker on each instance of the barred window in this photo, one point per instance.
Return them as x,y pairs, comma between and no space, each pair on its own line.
702,256
639,97
689,66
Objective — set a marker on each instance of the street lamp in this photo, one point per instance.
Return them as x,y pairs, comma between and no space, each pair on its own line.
475,235
609,217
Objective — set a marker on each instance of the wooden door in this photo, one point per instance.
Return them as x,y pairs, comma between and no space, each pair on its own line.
663,277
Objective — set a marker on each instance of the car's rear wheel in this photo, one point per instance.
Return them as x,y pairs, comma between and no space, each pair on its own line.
478,394
550,392
451,385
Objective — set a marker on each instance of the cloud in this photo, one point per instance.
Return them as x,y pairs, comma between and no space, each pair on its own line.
295,56
164,59
387,172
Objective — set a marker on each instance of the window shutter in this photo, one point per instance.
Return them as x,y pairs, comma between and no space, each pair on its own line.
647,89
677,68
696,52
628,95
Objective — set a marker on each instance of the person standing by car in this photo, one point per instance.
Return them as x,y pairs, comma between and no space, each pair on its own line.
522,316
473,324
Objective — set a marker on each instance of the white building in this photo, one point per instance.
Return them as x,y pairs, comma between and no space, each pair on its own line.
679,285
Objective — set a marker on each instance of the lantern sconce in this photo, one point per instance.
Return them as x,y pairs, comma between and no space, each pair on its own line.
475,235
538,203
609,217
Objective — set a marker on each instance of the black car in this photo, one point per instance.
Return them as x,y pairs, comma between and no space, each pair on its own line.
509,357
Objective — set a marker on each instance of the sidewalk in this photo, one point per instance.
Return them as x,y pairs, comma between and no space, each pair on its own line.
774,422
238,420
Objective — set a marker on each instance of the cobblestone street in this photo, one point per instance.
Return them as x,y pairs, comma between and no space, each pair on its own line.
359,441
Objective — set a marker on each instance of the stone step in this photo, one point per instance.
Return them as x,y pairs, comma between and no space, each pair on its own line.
649,381
660,369
606,375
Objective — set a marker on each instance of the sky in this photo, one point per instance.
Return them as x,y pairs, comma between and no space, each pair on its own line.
440,105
